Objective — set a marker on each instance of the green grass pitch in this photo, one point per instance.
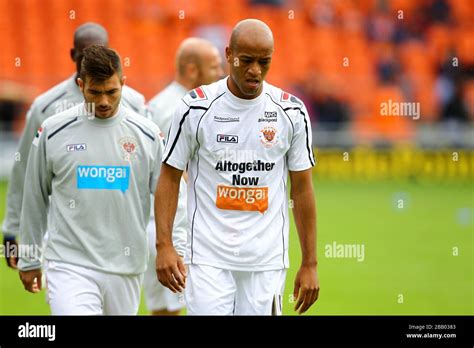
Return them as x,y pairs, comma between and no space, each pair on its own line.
418,257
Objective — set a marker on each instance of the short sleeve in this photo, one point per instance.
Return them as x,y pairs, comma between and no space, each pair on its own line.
300,155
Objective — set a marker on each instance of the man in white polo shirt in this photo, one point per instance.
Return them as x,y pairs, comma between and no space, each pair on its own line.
239,138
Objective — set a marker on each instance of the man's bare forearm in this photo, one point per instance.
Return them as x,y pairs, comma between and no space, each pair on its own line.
304,212
166,202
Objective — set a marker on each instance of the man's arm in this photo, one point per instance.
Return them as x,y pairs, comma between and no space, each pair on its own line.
34,211
169,266
180,223
306,290
11,223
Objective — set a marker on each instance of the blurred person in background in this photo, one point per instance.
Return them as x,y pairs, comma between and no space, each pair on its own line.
197,63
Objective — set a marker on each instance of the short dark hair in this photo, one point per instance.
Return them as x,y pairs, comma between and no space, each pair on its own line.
99,63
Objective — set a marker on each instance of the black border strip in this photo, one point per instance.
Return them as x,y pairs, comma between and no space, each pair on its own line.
351,331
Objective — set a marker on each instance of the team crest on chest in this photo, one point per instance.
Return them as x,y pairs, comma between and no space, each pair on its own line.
128,146
268,136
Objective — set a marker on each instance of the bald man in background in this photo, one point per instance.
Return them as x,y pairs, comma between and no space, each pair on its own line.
61,97
197,63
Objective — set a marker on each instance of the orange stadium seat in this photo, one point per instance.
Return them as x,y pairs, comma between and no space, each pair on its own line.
373,126
465,44
463,10
407,6
440,40
147,33
9,46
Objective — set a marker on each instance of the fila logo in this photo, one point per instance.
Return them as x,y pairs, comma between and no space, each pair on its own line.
76,147
226,138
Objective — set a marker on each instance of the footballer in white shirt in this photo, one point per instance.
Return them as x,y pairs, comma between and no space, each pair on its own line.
239,138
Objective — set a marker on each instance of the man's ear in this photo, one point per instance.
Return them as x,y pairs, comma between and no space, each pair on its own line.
192,71
228,55
80,83
122,80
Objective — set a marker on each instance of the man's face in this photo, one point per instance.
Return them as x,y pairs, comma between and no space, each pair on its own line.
210,69
249,63
104,96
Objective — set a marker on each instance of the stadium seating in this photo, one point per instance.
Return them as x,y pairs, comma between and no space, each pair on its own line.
311,36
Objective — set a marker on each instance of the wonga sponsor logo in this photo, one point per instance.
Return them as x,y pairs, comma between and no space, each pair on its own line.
103,177
242,198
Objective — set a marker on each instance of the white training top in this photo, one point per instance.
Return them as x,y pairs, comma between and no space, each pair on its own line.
163,105
99,174
61,97
238,153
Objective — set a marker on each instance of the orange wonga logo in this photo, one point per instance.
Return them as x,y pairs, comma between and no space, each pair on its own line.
242,198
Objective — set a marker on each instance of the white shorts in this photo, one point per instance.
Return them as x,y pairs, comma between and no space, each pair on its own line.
76,290
215,291
158,297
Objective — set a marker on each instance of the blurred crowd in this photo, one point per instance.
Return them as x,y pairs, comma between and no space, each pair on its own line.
344,58
412,51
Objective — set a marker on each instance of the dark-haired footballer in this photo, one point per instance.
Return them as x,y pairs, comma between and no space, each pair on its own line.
57,99
98,162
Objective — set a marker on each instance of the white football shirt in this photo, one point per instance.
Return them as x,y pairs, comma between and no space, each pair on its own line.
238,153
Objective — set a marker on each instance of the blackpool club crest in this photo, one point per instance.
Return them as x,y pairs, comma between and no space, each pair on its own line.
128,146
268,136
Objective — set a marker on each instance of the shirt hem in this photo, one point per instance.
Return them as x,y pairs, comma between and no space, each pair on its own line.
91,267
237,267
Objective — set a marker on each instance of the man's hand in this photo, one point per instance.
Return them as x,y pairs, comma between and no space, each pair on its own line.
31,280
170,268
11,247
306,290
